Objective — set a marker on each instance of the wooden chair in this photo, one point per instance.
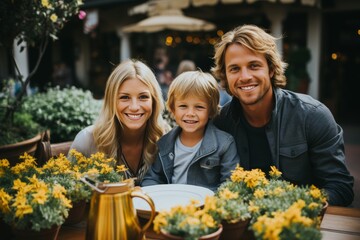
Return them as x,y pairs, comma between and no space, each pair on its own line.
57,148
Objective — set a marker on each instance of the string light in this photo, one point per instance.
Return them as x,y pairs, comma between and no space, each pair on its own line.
334,56
169,40
173,41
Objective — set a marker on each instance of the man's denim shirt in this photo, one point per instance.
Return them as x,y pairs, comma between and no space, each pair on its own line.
306,143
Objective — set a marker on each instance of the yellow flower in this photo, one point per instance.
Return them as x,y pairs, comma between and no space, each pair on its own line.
313,205
45,3
121,168
253,208
18,184
208,220
58,191
159,221
190,221
4,163
274,172
66,202
92,171
53,17
4,201
259,193
227,194
34,180
210,203
238,174
105,168
315,192
277,191
27,163
40,196
22,208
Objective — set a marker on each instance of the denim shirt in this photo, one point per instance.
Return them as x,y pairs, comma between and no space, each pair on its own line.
306,143
210,167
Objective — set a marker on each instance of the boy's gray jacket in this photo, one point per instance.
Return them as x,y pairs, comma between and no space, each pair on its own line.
211,166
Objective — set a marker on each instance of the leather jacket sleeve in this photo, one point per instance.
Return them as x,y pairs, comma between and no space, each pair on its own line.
326,152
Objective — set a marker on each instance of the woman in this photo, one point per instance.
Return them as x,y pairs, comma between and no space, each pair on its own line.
130,122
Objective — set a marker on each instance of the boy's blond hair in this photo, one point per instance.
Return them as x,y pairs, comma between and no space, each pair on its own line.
196,83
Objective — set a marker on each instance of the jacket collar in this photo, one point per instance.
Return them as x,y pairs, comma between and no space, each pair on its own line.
209,142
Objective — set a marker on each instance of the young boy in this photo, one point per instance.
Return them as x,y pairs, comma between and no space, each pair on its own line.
194,152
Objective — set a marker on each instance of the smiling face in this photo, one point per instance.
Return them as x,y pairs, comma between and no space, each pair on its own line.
191,114
134,104
248,75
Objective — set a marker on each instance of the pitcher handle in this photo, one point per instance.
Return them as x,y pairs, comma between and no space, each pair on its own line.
151,204
87,182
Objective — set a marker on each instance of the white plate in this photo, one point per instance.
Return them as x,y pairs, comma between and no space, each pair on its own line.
166,196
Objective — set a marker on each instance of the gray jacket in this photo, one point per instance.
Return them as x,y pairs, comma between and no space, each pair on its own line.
210,167
306,143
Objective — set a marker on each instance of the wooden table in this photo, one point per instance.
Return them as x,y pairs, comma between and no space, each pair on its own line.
339,223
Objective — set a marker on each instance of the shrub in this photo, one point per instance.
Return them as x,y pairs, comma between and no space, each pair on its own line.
63,111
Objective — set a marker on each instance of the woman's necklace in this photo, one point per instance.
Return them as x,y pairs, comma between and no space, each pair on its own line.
127,165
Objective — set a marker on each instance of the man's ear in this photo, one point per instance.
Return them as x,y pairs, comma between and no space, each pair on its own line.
271,73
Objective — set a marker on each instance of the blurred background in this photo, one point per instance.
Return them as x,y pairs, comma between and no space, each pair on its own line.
320,39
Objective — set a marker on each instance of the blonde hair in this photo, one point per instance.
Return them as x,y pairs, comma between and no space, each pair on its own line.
257,40
195,83
108,129
184,66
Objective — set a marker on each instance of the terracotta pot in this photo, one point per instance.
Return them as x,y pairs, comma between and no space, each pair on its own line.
76,213
12,151
29,234
211,236
323,210
234,231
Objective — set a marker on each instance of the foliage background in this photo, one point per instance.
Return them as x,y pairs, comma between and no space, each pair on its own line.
63,111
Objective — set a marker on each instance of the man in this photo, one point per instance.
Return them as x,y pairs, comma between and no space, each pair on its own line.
272,126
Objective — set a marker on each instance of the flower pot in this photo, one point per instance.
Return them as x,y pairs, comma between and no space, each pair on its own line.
76,213
234,230
323,210
29,234
212,236
12,152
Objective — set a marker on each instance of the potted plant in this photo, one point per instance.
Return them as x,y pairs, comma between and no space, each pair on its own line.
278,209
67,173
26,182
234,213
64,111
29,204
33,23
190,222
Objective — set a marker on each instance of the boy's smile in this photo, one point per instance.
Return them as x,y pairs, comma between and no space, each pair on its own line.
191,114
